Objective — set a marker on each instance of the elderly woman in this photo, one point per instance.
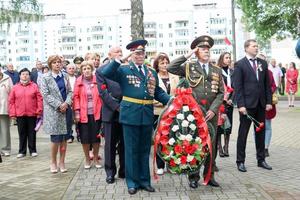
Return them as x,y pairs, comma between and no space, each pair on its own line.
168,83
5,88
56,91
87,107
26,107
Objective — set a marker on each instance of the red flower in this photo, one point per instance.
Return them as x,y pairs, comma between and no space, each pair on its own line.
222,108
185,99
261,125
164,139
203,101
193,162
165,130
172,114
98,136
258,129
103,87
185,143
195,146
168,121
172,163
178,149
165,150
183,159
229,89
189,149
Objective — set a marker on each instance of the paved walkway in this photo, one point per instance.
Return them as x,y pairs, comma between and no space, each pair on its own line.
29,178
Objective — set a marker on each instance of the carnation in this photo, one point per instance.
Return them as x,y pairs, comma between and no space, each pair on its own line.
185,123
171,141
190,158
180,116
185,108
192,127
190,117
175,128
189,137
181,137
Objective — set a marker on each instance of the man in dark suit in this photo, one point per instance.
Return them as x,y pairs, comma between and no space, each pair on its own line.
253,96
139,85
111,95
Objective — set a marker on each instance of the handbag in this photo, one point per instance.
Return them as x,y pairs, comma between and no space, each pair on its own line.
274,98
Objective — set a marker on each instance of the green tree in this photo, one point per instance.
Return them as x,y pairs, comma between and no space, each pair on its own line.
137,19
267,18
12,11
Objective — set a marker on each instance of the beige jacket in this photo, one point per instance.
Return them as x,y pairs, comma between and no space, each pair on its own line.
5,88
158,107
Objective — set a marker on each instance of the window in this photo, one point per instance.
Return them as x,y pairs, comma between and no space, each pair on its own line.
170,25
170,44
170,35
160,35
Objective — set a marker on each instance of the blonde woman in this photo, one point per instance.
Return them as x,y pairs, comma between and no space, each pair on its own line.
87,107
57,95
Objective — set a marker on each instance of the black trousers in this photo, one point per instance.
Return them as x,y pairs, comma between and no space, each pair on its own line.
114,141
26,131
259,114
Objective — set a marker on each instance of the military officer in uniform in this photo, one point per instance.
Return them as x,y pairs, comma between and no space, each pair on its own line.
206,82
139,86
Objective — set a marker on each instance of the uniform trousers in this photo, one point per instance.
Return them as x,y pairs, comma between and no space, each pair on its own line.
137,140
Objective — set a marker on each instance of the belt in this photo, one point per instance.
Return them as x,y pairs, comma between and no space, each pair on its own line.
138,101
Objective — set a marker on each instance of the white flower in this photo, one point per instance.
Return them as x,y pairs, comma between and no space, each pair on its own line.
189,137
177,161
197,139
190,117
185,123
171,141
189,158
181,137
193,127
171,153
175,128
180,116
185,108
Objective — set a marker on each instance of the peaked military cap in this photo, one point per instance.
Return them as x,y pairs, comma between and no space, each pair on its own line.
78,60
137,45
202,41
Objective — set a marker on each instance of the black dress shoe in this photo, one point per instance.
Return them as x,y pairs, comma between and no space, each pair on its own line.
241,167
110,179
132,191
148,188
194,184
264,165
213,183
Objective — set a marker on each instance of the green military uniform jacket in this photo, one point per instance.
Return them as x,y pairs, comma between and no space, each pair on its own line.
209,87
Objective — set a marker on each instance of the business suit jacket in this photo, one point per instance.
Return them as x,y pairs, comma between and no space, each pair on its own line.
250,91
111,96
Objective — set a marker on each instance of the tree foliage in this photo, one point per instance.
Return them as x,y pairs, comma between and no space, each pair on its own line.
267,18
19,10
137,19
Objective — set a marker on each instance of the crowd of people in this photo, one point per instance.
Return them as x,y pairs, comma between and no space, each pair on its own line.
123,104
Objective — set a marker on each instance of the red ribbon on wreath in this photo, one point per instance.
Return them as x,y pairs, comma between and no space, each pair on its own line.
183,96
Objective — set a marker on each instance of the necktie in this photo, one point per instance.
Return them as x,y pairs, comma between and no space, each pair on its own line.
141,71
204,69
253,64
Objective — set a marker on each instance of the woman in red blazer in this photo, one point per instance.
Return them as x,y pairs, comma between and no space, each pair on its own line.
87,107
26,105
